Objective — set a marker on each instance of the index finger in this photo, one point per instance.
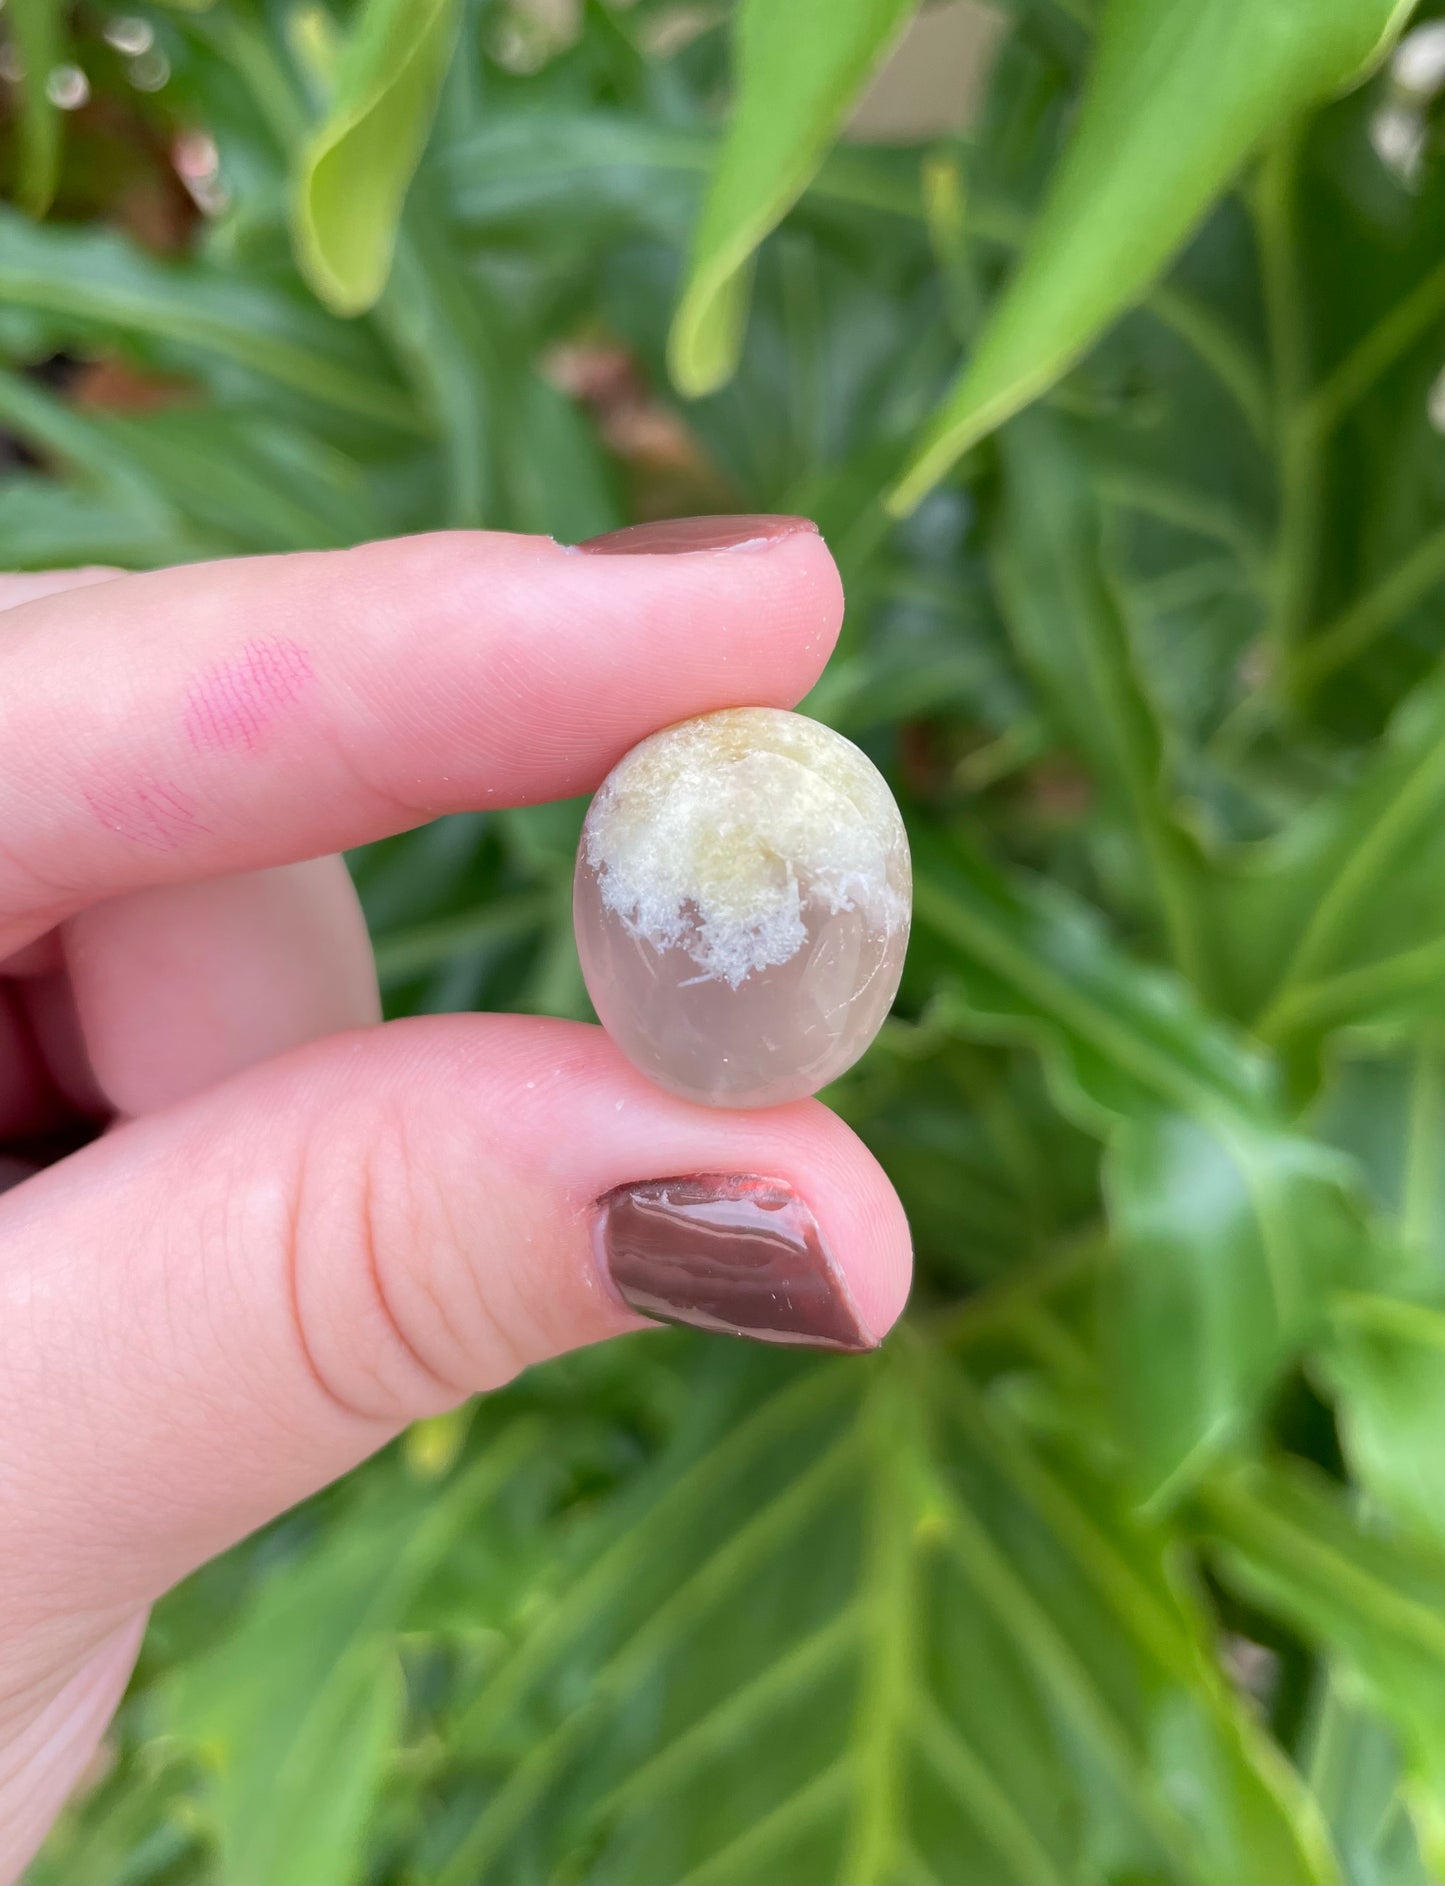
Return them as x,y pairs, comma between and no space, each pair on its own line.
229,716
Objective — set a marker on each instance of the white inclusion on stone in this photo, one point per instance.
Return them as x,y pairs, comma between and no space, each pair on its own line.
714,836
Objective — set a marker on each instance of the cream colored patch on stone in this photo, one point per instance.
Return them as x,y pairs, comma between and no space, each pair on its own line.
716,834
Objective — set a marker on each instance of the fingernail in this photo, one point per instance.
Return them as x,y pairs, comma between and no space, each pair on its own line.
676,536
15,1171
728,1252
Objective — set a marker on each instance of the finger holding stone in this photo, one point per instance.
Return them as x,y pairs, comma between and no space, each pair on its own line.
259,1286
233,716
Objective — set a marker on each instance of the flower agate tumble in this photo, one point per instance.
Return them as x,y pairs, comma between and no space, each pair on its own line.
742,902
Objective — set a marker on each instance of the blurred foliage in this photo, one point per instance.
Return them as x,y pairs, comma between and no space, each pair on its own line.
1124,1560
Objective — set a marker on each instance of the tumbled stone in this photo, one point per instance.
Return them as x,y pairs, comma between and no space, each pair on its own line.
742,902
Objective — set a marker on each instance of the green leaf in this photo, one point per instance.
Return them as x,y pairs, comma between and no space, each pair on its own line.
1287,1540
1341,920
353,174
54,430
425,946
274,491
90,282
297,1707
1067,621
801,64
1232,1239
1177,97
1231,1229
38,30
576,175
853,1627
1387,1110
45,525
1385,1361
472,372
450,352
1123,1041
1355,1773
274,488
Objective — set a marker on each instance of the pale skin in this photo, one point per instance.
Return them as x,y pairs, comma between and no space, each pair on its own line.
300,1229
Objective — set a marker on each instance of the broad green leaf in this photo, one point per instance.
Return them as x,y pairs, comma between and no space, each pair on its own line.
353,174
1123,1041
297,1708
37,27
1353,1766
1231,1229
1341,920
801,64
582,172
992,1173
1386,1109
1385,1360
1067,621
91,283
45,525
1231,1240
1286,1539
1177,97
851,1627
1274,1826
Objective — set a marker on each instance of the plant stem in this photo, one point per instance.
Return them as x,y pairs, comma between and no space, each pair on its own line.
1416,315
1225,355
1371,614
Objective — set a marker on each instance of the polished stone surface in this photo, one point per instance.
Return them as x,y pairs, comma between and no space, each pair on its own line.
742,903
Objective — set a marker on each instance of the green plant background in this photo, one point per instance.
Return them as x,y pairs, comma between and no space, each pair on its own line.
1125,1559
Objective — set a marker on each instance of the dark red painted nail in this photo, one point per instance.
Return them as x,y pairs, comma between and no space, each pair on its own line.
676,536
728,1252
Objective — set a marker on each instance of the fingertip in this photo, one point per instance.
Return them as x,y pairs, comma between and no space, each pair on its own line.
807,565
582,655
372,1227
860,1215
273,709
623,1133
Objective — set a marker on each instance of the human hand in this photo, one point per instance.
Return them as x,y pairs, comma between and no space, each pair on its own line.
302,1230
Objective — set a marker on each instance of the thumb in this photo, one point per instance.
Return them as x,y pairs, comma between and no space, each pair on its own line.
216,1309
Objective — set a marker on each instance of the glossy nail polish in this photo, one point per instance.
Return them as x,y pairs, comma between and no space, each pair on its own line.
678,536
728,1252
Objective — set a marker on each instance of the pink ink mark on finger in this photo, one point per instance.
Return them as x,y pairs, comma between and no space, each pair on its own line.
146,811
232,705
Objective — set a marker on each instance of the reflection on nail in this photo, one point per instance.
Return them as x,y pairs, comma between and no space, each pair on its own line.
728,1252
677,536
